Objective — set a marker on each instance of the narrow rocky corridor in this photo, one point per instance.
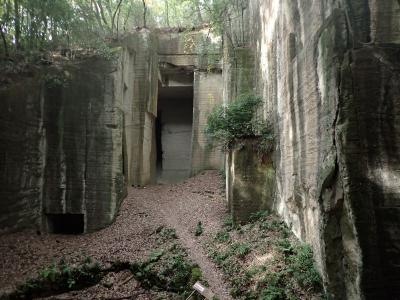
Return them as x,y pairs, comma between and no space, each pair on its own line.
180,206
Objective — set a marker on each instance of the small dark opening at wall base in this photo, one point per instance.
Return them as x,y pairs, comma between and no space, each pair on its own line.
66,223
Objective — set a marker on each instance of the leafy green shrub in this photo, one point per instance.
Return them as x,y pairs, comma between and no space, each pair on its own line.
228,125
240,285
285,246
274,225
155,255
167,233
240,249
266,262
58,278
302,266
228,223
260,215
105,51
196,275
273,292
222,236
165,269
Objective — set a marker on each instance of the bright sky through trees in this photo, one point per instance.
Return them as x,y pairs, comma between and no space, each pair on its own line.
48,24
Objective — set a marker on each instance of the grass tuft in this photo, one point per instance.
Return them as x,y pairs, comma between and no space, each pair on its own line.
262,260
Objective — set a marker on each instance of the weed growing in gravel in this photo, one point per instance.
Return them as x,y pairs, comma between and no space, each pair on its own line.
222,173
199,229
228,223
262,260
58,278
240,249
166,233
302,266
262,214
166,269
222,236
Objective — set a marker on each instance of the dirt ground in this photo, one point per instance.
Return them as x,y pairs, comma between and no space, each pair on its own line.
131,237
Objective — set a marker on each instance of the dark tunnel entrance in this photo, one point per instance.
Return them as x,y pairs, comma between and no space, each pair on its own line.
66,223
174,128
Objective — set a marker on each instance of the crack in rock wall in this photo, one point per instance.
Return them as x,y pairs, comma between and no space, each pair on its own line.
328,72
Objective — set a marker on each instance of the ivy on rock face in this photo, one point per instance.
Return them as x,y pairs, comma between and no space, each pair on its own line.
228,125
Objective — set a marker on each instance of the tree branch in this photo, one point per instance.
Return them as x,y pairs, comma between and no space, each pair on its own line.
114,14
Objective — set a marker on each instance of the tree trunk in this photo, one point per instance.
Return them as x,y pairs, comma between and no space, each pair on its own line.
113,17
97,15
198,11
108,6
103,16
167,11
127,16
17,24
119,12
144,13
4,41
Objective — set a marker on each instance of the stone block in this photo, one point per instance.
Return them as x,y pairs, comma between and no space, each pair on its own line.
251,184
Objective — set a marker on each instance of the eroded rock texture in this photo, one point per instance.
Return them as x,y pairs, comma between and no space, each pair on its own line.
156,60
250,181
61,146
329,73
74,135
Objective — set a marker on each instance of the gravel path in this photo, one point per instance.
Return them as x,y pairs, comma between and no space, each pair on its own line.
131,237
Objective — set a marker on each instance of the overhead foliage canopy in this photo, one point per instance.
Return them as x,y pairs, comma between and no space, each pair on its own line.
48,24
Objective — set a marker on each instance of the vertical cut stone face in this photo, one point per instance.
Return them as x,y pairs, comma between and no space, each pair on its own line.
370,152
252,181
175,115
327,71
139,65
73,136
198,48
238,72
73,142
192,50
144,53
21,154
207,95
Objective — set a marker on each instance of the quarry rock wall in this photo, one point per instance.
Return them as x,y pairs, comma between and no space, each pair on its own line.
250,181
198,52
75,134
61,146
328,72
22,160
146,56
72,138
139,65
207,95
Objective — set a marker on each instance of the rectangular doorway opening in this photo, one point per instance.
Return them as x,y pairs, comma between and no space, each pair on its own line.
66,223
174,130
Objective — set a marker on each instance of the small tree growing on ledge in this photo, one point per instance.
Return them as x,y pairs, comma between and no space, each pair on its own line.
228,125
